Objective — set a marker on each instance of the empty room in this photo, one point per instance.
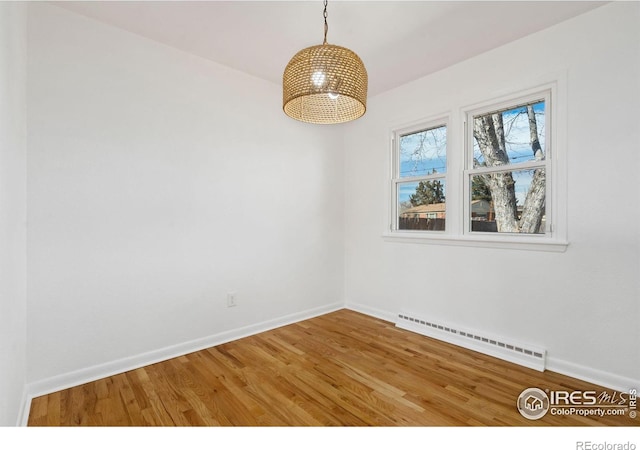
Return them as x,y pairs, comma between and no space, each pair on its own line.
301,213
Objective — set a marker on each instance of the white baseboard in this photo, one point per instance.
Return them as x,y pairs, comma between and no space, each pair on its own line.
373,312
23,414
590,375
78,377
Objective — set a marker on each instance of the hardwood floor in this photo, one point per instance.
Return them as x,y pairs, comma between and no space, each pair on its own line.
340,369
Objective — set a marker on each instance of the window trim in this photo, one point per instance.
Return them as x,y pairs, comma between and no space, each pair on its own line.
556,240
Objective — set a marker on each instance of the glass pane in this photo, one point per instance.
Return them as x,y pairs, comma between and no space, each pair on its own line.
509,202
423,153
509,136
421,205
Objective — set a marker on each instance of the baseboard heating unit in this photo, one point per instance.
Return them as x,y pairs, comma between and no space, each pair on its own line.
523,354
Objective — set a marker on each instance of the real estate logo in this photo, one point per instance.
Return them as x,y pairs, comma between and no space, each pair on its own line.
533,403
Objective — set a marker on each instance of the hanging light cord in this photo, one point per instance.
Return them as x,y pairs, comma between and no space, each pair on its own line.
326,26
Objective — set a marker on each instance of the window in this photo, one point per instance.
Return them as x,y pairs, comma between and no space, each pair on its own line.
489,178
507,160
419,180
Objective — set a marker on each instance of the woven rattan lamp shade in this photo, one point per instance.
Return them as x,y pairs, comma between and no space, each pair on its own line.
325,84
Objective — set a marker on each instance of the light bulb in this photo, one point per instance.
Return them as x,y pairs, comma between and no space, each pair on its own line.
318,78
333,95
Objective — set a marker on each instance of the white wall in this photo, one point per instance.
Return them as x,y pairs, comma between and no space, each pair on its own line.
13,298
157,182
584,309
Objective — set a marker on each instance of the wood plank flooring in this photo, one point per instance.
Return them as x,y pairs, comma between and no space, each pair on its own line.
340,369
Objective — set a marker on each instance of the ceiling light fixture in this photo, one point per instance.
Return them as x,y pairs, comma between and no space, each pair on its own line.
325,84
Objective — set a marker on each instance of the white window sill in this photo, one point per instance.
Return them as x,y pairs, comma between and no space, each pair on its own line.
536,243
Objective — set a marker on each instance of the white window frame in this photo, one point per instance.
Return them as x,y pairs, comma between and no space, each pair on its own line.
396,180
470,171
459,136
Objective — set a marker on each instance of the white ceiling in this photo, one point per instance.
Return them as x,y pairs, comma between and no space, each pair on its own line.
398,41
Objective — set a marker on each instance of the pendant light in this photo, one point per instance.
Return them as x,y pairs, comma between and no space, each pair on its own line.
325,84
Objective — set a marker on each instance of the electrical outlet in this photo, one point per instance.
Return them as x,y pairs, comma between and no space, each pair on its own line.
231,299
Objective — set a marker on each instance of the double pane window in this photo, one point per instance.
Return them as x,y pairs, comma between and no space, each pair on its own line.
482,176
